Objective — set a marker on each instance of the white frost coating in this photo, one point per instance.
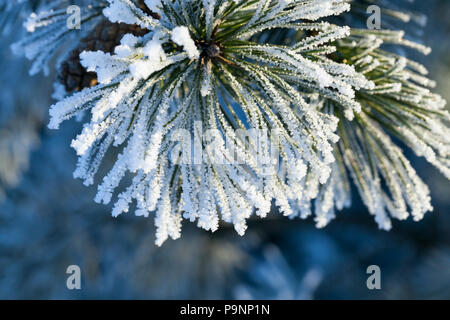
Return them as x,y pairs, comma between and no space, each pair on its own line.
127,44
206,83
181,36
120,11
178,112
106,66
155,60
153,5
154,51
125,11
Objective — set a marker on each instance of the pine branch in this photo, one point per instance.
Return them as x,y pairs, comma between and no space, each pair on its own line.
330,97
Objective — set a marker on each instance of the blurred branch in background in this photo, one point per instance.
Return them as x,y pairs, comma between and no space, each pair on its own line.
23,111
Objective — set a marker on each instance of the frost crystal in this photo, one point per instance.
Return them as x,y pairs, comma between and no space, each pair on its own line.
181,36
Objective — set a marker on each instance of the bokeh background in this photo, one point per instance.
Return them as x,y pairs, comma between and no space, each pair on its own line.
49,221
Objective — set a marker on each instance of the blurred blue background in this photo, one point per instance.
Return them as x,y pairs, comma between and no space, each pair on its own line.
49,221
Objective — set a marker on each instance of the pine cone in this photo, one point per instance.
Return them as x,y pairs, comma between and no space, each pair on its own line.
105,37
